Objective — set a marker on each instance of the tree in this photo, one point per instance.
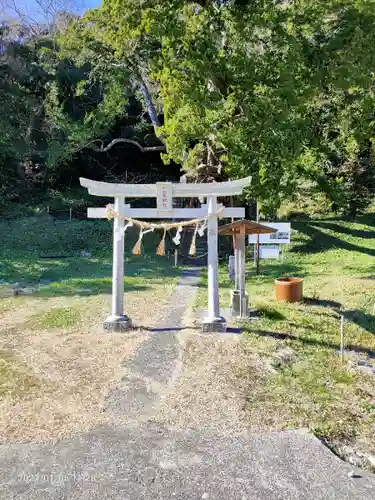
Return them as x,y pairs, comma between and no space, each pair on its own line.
238,83
277,90
41,87
15,108
25,82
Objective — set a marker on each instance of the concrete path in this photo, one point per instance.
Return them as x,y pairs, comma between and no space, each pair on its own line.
149,462
133,458
157,361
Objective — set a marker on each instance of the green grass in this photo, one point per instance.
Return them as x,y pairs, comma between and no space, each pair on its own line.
58,317
38,251
316,390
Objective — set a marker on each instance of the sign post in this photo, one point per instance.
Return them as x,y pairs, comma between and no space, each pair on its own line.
164,192
257,244
281,235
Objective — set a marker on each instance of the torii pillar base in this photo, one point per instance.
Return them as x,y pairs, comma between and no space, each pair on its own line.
117,324
214,325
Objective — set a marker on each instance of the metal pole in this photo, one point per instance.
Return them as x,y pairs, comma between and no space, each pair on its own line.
176,258
342,337
70,214
257,245
254,255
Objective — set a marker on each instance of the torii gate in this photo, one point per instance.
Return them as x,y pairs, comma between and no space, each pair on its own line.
164,192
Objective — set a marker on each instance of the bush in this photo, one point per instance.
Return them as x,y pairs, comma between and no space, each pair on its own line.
306,204
41,234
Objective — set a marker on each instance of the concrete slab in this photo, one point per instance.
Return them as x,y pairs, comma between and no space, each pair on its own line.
151,463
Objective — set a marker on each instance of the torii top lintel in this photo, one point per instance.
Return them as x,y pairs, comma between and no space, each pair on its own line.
179,190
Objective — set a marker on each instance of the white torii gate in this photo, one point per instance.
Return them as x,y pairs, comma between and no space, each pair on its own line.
164,192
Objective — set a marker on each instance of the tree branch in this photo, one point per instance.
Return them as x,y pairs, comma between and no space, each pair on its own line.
149,104
102,149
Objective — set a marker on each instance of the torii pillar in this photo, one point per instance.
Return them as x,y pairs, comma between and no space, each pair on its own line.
213,321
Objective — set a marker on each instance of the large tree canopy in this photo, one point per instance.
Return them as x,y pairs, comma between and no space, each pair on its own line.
280,90
267,88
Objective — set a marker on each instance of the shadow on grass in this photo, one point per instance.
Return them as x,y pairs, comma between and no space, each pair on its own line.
270,313
167,329
237,331
321,241
337,228
268,270
310,301
365,321
267,273
82,276
308,341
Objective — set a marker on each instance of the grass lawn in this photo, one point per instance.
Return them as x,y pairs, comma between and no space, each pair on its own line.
301,380
56,363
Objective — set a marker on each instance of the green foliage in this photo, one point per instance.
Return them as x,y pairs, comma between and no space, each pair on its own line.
14,109
307,201
260,83
83,102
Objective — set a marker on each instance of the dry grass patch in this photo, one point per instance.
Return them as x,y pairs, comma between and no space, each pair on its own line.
68,362
15,379
211,390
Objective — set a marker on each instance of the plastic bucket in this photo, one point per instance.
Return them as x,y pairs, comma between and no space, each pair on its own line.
289,289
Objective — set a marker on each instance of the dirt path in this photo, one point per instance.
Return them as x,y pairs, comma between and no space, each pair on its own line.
157,364
182,378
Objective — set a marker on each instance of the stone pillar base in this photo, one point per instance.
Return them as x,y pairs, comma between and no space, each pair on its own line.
117,324
239,310
212,325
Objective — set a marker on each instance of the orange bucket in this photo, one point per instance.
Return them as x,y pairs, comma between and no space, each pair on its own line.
289,289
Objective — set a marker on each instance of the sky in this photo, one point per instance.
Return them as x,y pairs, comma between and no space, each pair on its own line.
36,9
